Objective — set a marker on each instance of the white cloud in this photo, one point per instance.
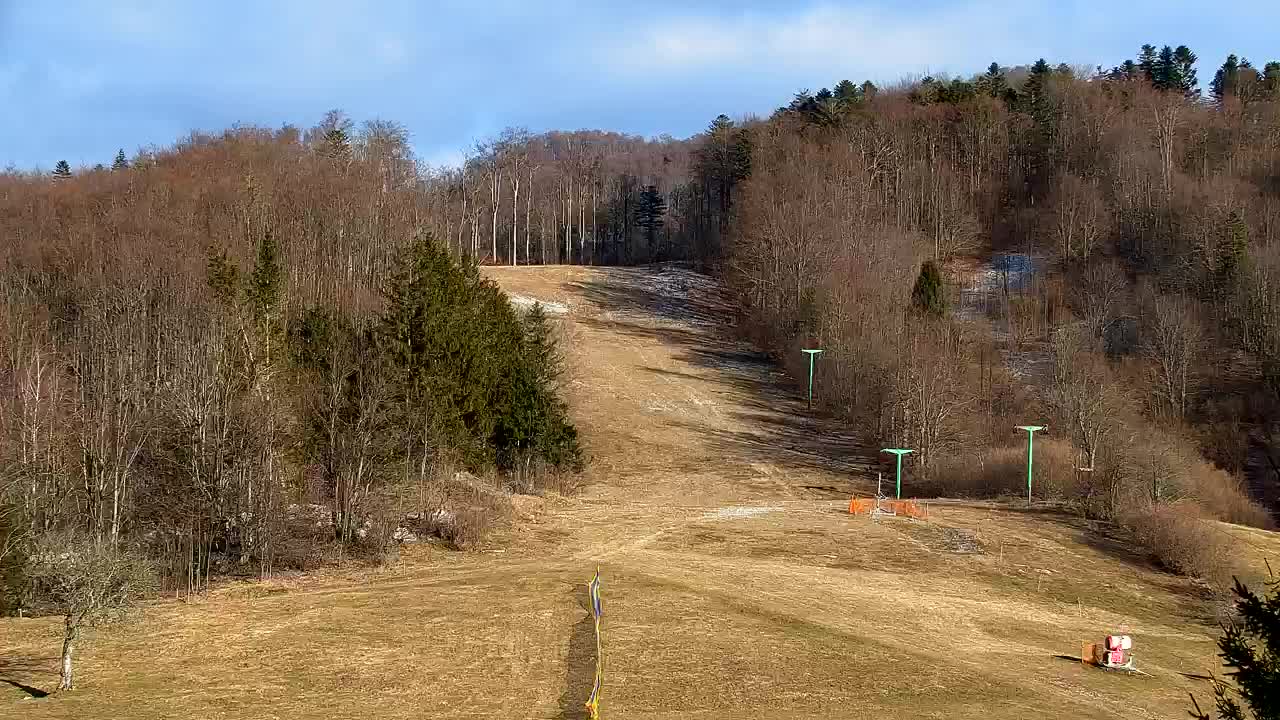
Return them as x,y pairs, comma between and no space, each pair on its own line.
823,40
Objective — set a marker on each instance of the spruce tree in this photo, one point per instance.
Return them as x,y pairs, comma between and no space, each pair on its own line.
802,103
1147,62
1250,646
1232,253
1224,80
468,367
650,209
847,92
1185,62
928,294
121,162
1271,81
337,145
62,170
1166,74
222,277
992,83
263,292
1034,98
869,90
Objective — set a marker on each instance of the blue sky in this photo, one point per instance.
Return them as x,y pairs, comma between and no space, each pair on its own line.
79,79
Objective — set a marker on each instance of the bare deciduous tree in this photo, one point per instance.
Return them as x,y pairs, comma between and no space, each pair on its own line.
1083,396
87,581
1173,341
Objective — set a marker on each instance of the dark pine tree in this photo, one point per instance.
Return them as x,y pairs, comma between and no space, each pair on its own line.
1034,99
1224,81
1147,62
651,207
1250,646
336,144
1232,254
1185,62
992,83
847,92
1127,70
927,295
121,162
1166,74
62,170
1271,80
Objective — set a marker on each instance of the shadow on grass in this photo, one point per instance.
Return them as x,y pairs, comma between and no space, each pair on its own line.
11,666
580,669
773,424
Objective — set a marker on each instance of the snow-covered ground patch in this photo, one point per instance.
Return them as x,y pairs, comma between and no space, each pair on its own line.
740,512
526,303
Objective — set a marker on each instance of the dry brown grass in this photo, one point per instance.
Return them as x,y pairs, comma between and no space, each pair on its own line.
796,610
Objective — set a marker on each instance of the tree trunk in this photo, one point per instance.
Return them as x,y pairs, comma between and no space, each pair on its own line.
72,631
528,209
515,208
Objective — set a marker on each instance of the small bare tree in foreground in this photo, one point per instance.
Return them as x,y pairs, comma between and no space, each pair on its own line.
88,581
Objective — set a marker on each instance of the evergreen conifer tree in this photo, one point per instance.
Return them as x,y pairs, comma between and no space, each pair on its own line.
1224,80
927,295
1232,253
847,92
992,83
1034,99
337,145
650,209
1250,646
1147,62
62,170
1185,62
121,162
1165,74
1271,81
469,366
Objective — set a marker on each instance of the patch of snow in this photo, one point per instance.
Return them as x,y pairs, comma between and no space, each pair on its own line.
526,303
404,535
740,512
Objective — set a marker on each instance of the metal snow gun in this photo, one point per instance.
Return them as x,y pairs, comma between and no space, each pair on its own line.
1115,652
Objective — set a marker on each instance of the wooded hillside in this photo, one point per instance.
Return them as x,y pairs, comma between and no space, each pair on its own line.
200,337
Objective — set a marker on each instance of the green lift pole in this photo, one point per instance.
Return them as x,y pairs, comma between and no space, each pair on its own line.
811,354
1031,434
898,452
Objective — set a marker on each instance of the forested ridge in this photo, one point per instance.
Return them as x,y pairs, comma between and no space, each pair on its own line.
200,340
247,354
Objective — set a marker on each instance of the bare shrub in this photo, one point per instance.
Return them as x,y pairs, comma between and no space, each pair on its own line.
1180,539
1158,467
560,482
535,477
464,510
1223,496
1003,471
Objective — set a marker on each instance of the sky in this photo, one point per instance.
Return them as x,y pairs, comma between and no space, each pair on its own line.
81,78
